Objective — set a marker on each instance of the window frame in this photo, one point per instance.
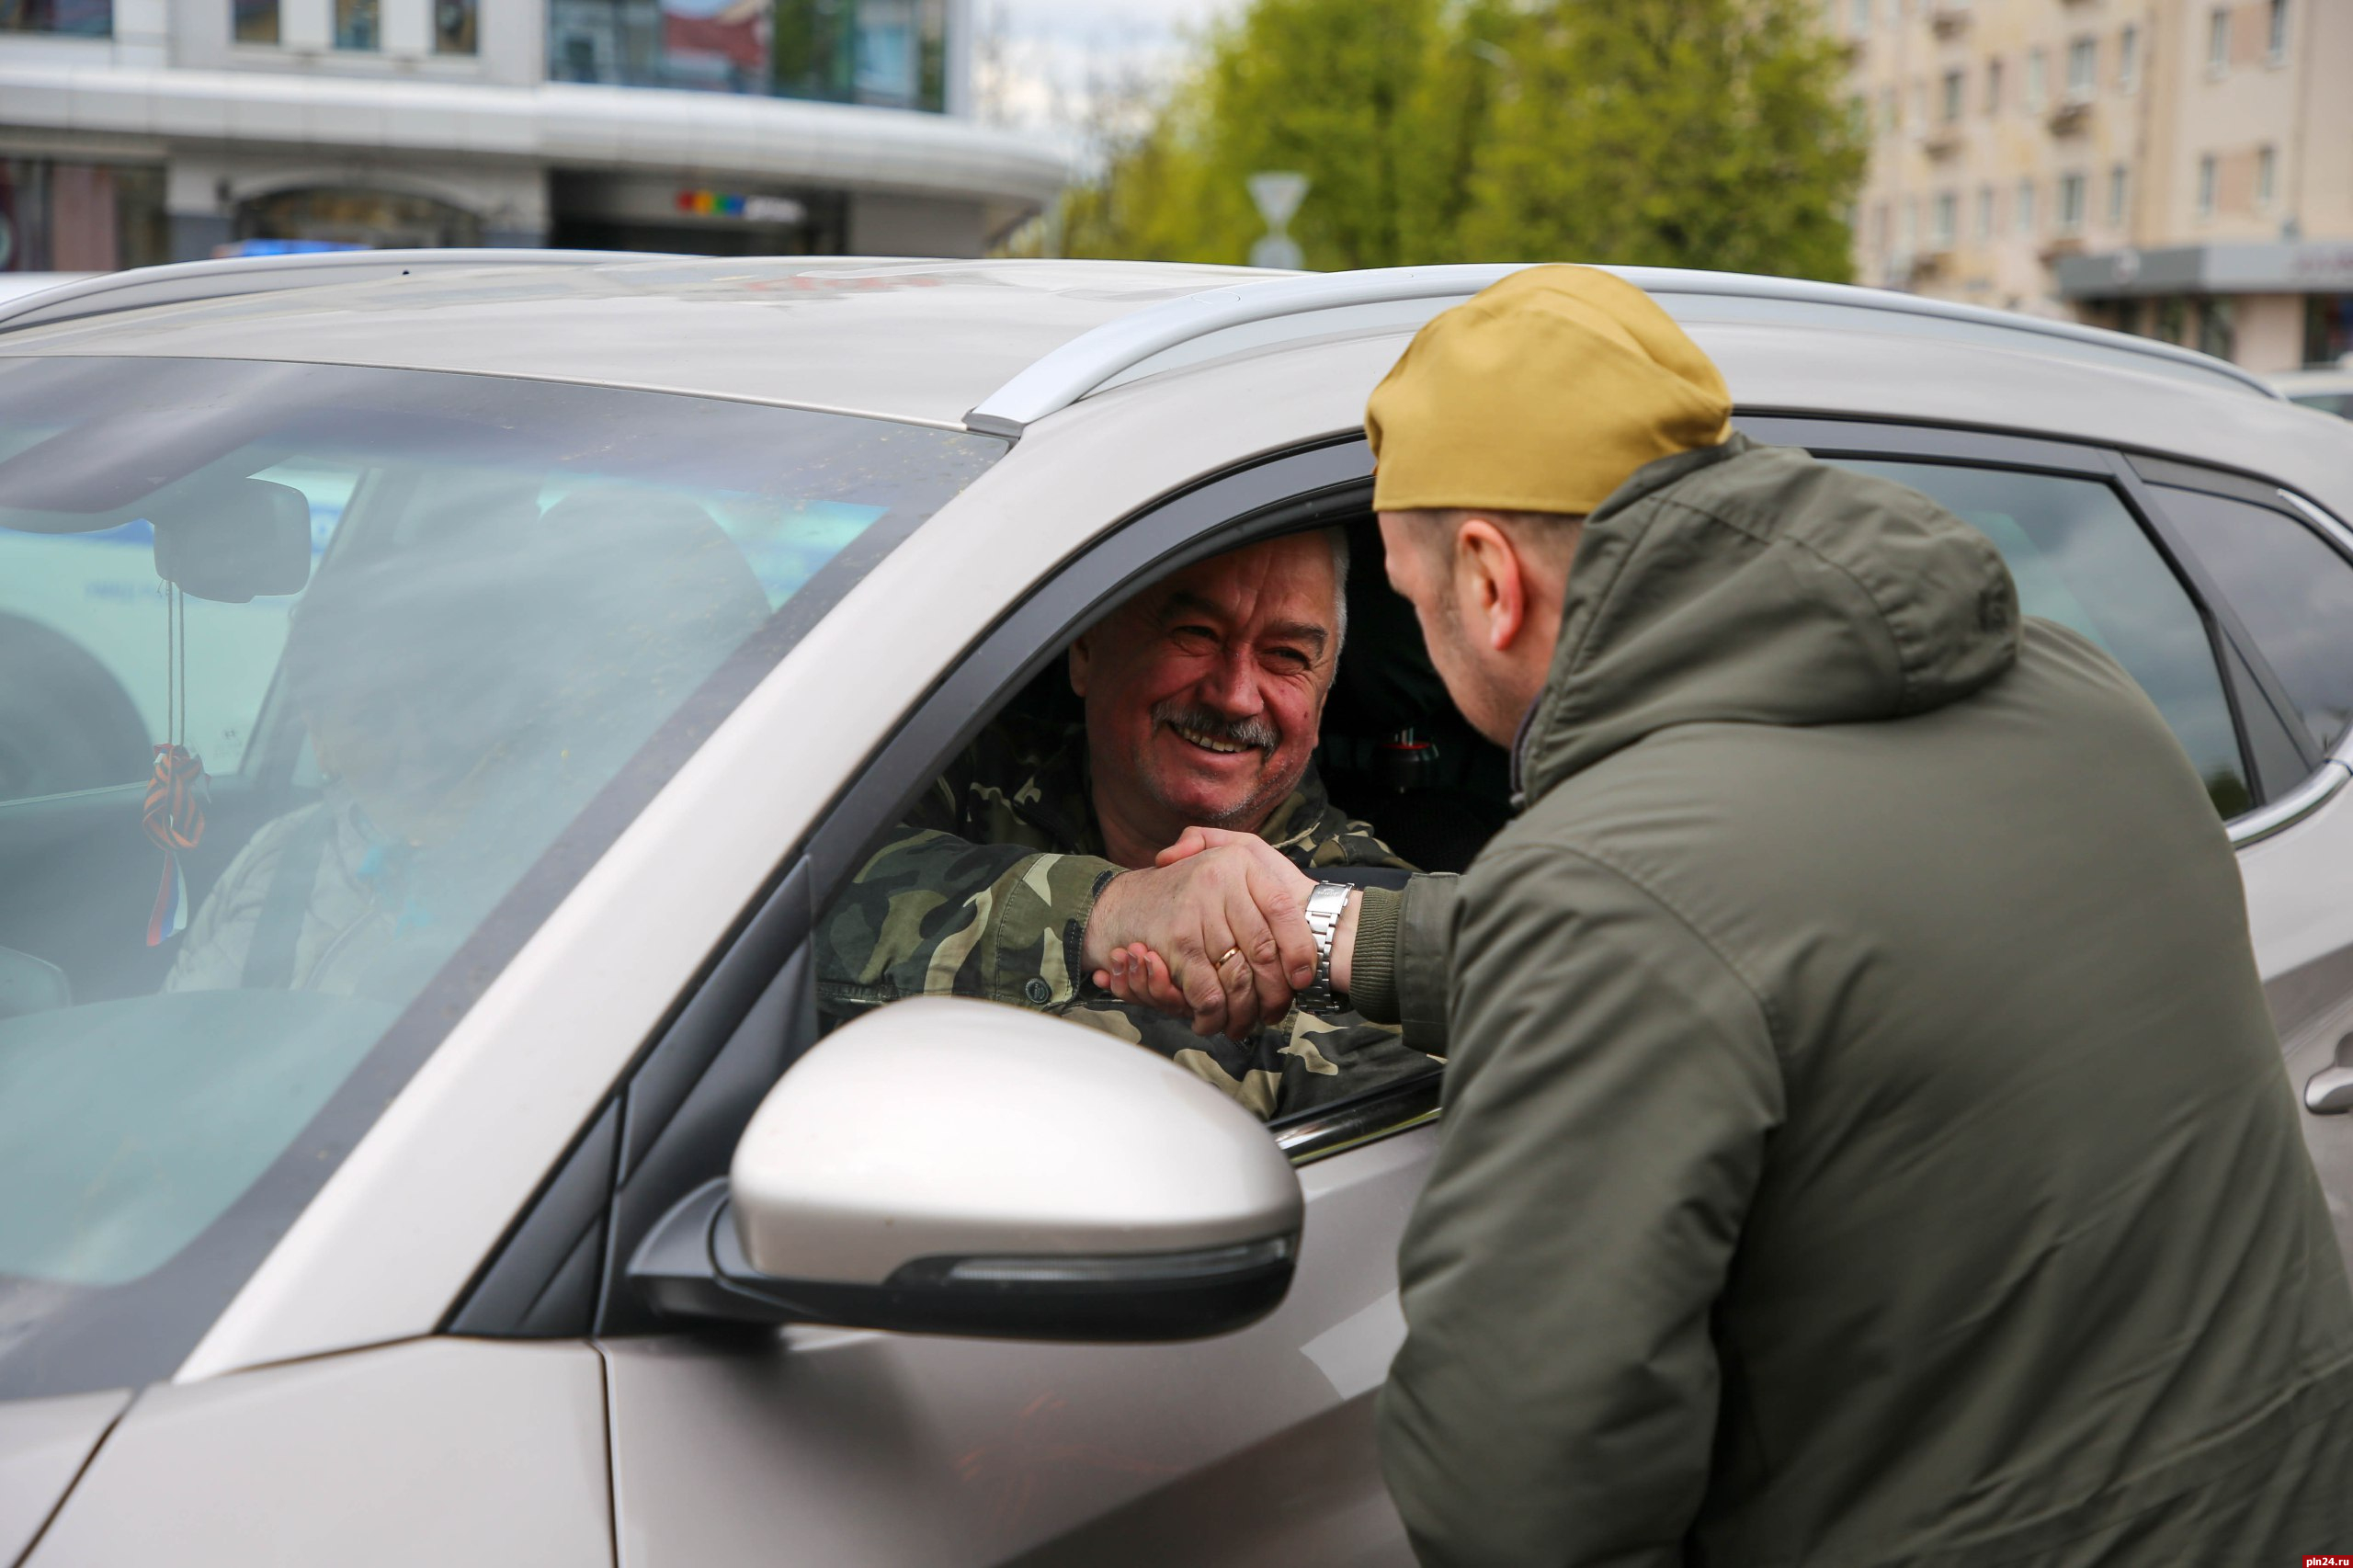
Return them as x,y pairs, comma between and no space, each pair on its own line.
2074,200
674,1114
2083,68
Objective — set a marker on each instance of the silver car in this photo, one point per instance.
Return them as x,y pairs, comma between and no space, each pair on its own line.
418,1142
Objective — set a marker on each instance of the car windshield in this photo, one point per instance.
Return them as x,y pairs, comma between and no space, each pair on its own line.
309,679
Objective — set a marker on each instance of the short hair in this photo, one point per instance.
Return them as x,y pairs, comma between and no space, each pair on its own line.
1547,527
1337,538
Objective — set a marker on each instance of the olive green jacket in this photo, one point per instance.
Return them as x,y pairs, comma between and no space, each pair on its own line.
1865,1141
986,890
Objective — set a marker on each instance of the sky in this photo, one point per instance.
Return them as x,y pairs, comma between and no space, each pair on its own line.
1040,61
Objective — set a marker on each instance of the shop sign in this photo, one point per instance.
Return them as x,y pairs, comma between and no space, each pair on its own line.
742,208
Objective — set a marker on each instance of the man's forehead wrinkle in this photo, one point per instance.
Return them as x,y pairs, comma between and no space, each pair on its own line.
1187,601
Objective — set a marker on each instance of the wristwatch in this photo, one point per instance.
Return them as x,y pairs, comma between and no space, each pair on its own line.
1325,907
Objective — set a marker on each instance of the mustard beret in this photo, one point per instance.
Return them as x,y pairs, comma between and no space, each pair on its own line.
1541,393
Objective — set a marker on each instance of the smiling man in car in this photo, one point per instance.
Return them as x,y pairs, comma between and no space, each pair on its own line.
1029,869
1865,1141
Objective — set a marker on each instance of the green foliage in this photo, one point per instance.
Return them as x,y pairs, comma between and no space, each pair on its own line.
1669,132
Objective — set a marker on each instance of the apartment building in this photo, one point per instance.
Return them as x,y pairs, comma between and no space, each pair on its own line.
2179,168
134,131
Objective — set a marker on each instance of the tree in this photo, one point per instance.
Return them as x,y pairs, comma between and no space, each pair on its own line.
1675,132
1672,133
1347,94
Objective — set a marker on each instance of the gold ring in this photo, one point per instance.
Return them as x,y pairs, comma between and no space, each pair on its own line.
1230,952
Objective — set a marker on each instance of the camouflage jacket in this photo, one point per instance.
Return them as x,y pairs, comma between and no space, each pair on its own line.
985,891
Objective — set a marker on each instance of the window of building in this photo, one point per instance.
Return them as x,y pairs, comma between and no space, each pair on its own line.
1860,22
1984,213
2328,327
2026,208
891,52
2218,41
1880,228
2217,328
2083,69
75,18
2118,188
2128,58
75,217
2035,80
1887,110
2170,318
2071,204
455,28
1947,217
2267,175
1919,105
357,24
888,52
1993,86
2206,177
1952,91
1911,224
2276,33
254,21
2293,594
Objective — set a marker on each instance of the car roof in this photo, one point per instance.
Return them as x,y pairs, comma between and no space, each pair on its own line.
1000,346
911,340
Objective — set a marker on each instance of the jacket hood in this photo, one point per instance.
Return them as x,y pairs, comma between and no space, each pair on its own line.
1752,585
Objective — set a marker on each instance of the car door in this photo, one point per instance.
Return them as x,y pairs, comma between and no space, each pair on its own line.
823,1446
2286,567
2230,600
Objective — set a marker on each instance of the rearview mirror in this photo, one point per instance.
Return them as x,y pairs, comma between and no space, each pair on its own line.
231,541
950,1166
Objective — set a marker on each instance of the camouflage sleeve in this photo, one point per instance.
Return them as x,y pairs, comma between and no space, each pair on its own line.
1302,1063
934,915
1355,844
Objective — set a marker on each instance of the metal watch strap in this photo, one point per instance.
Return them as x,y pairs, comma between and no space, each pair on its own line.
1326,904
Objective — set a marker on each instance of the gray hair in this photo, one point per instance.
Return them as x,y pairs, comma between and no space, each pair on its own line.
1337,538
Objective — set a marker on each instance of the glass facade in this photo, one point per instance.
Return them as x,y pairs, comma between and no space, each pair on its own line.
372,220
888,54
456,29
76,18
357,24
63,217
254,21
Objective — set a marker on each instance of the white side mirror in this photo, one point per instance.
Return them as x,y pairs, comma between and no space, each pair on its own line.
954,1166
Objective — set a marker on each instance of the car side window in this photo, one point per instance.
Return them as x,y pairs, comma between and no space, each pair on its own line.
2293,593
2081,559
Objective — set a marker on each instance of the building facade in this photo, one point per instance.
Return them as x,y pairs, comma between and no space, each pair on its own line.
134,131
2178,169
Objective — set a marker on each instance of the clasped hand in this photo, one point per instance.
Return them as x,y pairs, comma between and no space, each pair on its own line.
1216,929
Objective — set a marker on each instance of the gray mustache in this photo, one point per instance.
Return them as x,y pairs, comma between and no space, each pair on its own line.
1258,732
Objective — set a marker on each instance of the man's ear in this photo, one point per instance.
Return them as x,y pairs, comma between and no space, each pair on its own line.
1081,655
1490,583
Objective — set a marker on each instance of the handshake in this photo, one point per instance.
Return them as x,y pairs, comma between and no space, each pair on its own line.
1216,931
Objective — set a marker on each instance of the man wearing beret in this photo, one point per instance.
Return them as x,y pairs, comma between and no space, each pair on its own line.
1865,1141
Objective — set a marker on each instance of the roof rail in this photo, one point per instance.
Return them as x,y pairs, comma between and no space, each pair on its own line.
181,282
1110,352
1086,361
